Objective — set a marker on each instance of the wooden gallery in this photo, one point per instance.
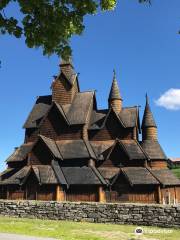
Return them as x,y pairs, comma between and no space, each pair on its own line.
73,151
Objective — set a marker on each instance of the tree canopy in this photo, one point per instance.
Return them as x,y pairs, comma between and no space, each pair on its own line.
50,24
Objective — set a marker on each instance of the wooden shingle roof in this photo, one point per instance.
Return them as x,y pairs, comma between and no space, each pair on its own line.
47,175
69,149
139,176
80,107
43,173
148,119
128,117
38,111
18,177
72,149
101,148
20,153
109,173
153,149
58,173
51,144
133,149
165,176
114,92
97,119
80,176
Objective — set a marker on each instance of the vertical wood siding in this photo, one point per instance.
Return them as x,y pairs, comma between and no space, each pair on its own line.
82,193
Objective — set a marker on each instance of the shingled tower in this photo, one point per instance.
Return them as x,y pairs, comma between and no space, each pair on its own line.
149,127
65,85
115,100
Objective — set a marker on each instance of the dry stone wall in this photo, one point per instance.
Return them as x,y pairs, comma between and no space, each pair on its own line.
138,214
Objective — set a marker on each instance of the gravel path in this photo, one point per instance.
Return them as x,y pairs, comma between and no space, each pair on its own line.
7,236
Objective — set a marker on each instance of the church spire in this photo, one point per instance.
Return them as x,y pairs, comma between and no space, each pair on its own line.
115,100
149,127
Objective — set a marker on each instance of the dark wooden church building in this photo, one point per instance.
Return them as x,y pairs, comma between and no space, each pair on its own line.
74,151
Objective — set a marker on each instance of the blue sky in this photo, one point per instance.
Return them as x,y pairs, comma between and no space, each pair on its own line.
139,41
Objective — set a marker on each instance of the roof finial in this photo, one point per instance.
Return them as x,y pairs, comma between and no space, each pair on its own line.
114,74
147,99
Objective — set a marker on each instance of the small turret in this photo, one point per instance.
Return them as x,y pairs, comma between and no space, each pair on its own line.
115,100
149,127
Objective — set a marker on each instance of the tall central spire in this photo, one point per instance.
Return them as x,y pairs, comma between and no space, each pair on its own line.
115,100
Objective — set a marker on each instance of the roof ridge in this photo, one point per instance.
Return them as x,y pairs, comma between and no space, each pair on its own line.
149,169
87,147
54,104
107,115
61,107
59,150
64,176
39,176
121,143
98,175
53,167
53,141
126,176
86,120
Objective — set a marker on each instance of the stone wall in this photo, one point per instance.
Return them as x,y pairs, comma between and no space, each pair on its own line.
138,214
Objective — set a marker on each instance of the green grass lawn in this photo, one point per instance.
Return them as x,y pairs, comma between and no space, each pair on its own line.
176,171
64,230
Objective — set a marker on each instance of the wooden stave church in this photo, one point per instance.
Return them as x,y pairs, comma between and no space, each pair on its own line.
74,152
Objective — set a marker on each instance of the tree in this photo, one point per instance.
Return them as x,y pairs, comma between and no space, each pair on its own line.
50,24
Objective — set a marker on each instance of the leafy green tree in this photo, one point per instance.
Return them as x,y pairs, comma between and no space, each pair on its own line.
50,24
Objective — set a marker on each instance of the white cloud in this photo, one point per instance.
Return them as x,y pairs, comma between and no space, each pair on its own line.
170,99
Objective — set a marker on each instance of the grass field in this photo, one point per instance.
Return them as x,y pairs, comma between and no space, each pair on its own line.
176,171
82,231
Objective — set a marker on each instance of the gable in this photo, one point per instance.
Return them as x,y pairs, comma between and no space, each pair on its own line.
124,153
40,154
116,128
54,123
111,128
117,157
